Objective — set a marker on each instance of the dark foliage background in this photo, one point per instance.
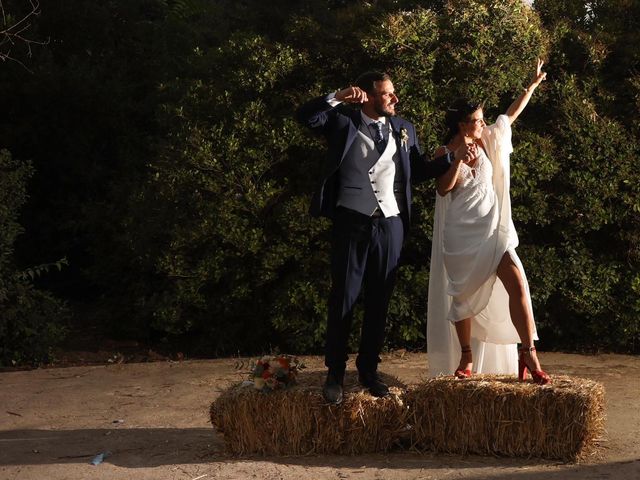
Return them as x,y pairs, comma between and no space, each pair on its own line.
156,143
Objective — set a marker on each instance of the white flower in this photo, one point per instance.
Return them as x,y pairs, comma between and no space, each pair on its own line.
404,139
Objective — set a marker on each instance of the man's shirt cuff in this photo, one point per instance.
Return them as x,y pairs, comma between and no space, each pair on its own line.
331,100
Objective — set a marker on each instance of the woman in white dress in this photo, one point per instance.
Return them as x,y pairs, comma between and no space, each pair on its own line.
478,290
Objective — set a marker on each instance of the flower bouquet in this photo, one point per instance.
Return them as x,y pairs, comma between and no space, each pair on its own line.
275,372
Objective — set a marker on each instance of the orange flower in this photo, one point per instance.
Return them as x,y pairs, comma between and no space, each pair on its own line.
284,363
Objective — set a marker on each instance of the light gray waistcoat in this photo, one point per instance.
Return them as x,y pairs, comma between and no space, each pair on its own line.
367,177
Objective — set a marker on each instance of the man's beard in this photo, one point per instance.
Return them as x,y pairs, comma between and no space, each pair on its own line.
382,112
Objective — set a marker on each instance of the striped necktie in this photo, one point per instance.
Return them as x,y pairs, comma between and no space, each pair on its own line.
381,142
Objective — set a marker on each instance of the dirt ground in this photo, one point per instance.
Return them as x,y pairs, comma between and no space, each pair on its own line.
153,420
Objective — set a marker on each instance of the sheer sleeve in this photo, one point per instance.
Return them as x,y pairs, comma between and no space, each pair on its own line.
497,138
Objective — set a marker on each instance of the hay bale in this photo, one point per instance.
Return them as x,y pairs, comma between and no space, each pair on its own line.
498,415
297,421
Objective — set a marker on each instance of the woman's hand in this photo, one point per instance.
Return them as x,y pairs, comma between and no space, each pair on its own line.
466,153
519,103
539,75
472,153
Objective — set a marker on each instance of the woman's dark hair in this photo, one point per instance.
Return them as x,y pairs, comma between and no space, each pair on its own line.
458,111
367,79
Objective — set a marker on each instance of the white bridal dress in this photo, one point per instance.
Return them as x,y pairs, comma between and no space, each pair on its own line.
472,231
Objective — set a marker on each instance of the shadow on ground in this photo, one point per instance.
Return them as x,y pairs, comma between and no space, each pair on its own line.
153,447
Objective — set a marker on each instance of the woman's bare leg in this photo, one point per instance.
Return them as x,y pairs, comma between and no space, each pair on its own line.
463,329
521,316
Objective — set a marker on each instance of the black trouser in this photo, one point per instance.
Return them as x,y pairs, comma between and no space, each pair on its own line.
365,251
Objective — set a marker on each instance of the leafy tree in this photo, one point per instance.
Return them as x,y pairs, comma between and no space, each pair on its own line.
30,319
170,172
14,31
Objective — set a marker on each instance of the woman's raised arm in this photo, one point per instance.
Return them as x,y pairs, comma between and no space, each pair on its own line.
519,103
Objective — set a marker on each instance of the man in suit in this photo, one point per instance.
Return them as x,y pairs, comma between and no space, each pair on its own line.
373,157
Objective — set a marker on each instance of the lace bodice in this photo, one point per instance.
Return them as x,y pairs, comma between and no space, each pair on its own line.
480,173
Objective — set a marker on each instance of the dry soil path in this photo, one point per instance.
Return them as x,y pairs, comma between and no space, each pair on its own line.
153,419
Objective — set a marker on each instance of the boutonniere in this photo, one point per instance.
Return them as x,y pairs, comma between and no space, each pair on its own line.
404,139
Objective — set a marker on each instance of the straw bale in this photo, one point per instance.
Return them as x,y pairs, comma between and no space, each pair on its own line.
297,421
498,415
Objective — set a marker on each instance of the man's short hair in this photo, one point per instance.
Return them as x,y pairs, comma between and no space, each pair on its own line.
366,80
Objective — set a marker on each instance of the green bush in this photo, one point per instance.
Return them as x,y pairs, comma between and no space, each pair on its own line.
30,319
169,168
242,259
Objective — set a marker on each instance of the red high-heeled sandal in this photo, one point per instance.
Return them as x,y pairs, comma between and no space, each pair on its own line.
466,373
538,376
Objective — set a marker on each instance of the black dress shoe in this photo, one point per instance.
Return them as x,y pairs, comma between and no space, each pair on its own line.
332,389
371,381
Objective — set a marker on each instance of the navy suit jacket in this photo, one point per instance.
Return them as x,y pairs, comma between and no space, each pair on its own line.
340,125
